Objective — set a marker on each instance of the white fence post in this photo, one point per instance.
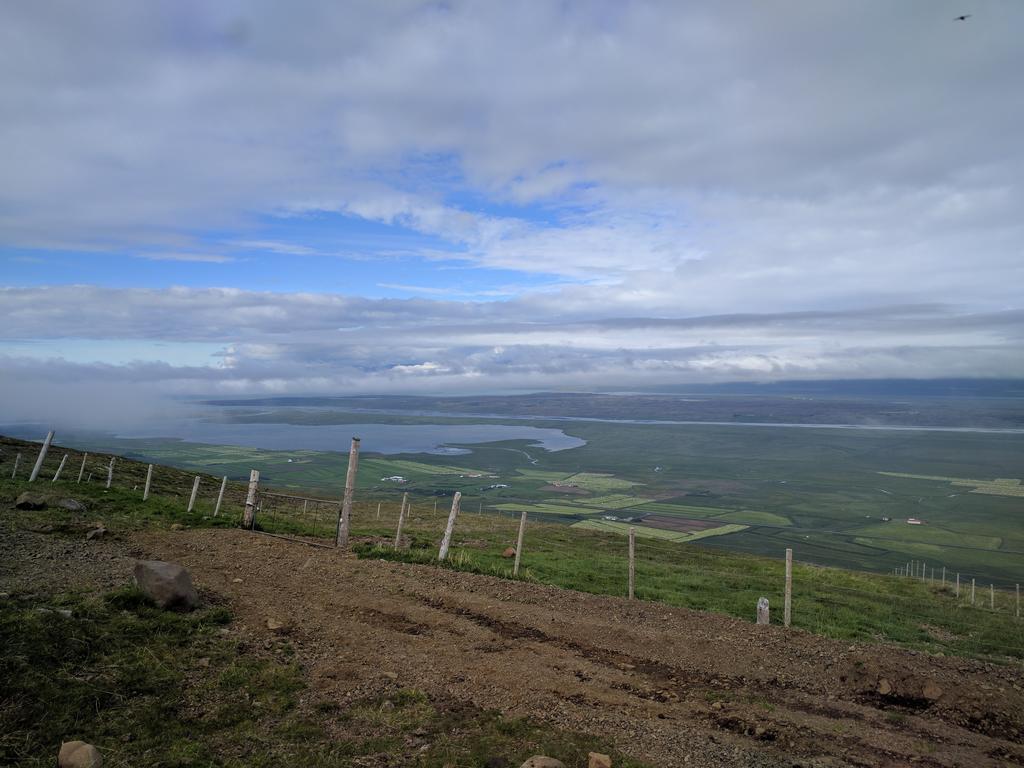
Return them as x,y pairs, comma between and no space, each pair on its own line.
992,596
632,562
447,540
17,461
110,472
149,481
763,612
378,510
56,475
519,543
250,499
220,496
972,591
192,498
345,514
787,606
41,457
958,586
401,520
81,469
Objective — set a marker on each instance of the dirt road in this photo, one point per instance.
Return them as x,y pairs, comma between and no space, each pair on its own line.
675,687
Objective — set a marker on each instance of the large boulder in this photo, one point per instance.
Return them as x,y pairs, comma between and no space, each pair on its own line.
29,500
540,761
168,584
78,754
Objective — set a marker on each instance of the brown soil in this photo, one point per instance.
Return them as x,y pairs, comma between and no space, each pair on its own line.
679,524
671,686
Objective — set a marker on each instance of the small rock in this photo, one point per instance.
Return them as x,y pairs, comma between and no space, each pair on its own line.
72,505
78,754
274,625
541,761
96,533
203,662
509,552
932,691
597,760
390,675
884,687
177,527
30,501
168,584
496,762
236,581
386,705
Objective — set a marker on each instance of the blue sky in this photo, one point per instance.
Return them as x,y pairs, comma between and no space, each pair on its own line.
401,197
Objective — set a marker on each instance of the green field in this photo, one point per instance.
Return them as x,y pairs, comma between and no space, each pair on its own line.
822,492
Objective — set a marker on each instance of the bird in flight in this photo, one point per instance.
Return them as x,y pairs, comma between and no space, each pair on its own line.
965,17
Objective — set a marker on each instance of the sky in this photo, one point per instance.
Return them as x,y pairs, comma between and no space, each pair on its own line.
329,197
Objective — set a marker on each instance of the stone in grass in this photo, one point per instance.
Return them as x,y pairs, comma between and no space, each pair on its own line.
72,505
509,552
598,760
78,754
29,500
96,533
541,761
167,584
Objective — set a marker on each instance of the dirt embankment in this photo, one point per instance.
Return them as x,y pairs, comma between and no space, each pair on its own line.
669,685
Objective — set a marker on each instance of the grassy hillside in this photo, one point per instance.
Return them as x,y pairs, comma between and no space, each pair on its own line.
830,601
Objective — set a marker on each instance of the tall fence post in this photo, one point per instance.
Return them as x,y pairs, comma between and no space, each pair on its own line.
250,499
958,586
192,498
41,457
17,461
1018,601
787,606
220,496
992,596
972,591
56,475
110,472
447,540
943,577
378,510
401,520
345,514
632,562
519,543
81,469
149,481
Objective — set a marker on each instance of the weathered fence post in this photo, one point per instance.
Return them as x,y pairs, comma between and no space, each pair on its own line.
972,591
943,578
220,496
378,510
250,499
763,612
149,481
632,561
17,461
345,515
958,585
41,457
1018,601
992,596
787,606
519,543
56,475
447,540
192,498
81,469
401,520
110,472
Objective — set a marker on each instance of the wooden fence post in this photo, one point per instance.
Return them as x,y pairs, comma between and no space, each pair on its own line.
763,612
149,481
110,472
943,577
1018,601
378,510
220,496
41,457
401,520
519,544
17,461
632,562
992,596
56,475
787,606
958,586
250,499
345,515
447,540
81,469
192,498
972,591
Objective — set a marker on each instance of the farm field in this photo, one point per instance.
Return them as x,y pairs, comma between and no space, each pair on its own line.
836,496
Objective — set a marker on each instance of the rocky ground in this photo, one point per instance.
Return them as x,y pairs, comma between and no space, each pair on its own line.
669,686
